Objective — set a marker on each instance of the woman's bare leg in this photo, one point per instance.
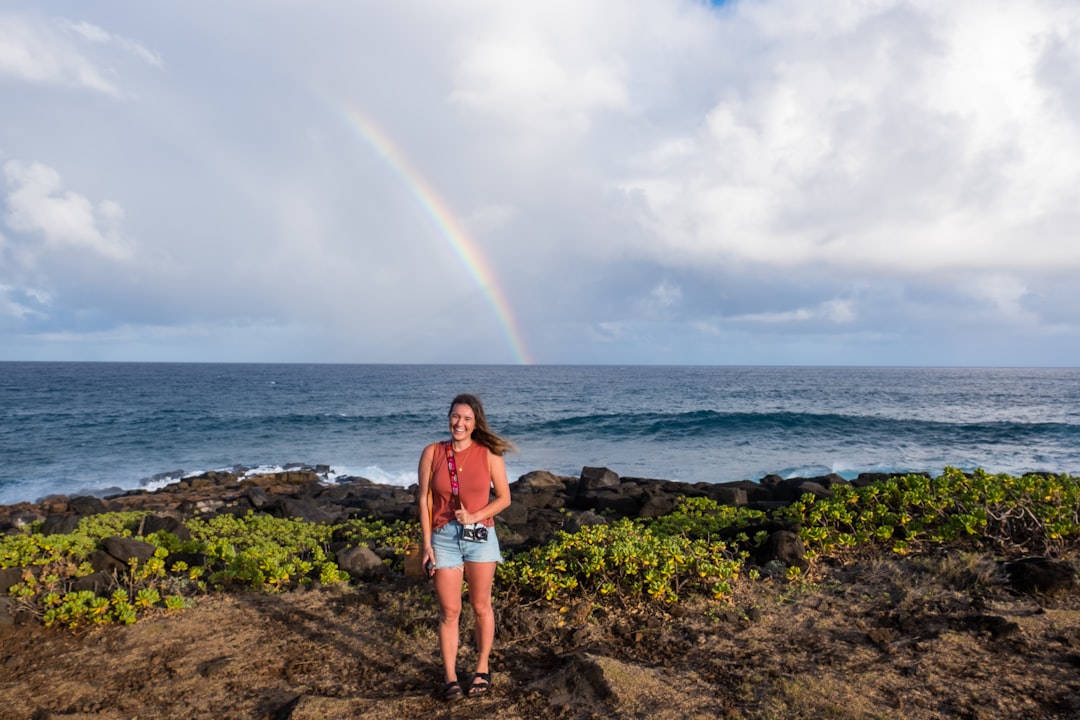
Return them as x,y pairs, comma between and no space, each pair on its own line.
448,591
481,576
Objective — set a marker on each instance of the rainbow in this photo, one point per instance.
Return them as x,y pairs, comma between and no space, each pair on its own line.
448,226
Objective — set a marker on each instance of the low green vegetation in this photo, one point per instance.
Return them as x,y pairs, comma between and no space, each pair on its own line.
700,549
626,561
260,551
633,560
253,552
996,513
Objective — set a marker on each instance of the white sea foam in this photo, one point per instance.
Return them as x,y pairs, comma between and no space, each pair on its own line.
159,481
804,471
401,478
262,470
336,473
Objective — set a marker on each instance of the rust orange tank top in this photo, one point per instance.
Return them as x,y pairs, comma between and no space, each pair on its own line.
474,480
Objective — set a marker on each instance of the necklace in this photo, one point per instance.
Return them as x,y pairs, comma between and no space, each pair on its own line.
460,465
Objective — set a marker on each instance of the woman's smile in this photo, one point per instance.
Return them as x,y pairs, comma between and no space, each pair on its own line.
462,423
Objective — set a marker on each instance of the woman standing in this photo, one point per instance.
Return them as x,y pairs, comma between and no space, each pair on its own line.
463,487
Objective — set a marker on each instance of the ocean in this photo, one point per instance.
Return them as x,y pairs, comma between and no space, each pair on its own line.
102,428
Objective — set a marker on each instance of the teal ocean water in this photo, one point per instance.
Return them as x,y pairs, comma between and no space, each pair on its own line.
104,427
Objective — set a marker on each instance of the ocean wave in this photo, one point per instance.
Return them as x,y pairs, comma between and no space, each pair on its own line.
698,423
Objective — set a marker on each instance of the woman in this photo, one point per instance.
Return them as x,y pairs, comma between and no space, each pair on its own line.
459,532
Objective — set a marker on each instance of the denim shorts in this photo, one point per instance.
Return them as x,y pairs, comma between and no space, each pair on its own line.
451,550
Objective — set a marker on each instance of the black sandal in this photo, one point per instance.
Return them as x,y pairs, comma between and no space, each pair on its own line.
452,691
481,683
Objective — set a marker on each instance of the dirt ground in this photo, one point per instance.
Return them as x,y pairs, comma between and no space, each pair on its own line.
876,638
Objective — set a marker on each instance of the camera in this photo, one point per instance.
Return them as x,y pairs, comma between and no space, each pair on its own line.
475,533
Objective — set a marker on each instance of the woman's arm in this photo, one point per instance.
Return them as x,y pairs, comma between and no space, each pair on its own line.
423,476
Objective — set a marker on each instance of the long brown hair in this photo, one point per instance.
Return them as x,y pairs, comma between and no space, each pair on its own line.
482,432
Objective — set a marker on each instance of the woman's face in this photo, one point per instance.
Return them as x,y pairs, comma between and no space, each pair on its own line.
462,422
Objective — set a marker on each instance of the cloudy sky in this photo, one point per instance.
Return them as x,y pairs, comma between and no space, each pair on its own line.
847,182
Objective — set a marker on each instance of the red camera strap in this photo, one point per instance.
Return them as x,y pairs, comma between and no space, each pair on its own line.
452,467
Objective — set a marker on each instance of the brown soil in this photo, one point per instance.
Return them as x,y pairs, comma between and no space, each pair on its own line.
875,638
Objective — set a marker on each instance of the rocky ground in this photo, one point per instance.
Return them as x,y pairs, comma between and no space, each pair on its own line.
874,636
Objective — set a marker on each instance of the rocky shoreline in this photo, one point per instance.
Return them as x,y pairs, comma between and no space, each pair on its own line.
543,503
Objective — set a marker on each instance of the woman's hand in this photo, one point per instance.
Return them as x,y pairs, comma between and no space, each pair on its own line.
429,561
464,517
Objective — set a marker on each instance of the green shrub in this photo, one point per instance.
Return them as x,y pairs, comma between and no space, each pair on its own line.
700,517
626,561
262,552
1001,513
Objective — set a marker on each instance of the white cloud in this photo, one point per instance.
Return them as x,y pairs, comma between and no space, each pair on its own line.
661,300
38,203
32,51
524,84
95,34
41,297
609,331
64,53
9,307
839,311
1005,294
834,311
898,138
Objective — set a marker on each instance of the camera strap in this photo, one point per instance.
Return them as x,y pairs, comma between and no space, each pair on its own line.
455,488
